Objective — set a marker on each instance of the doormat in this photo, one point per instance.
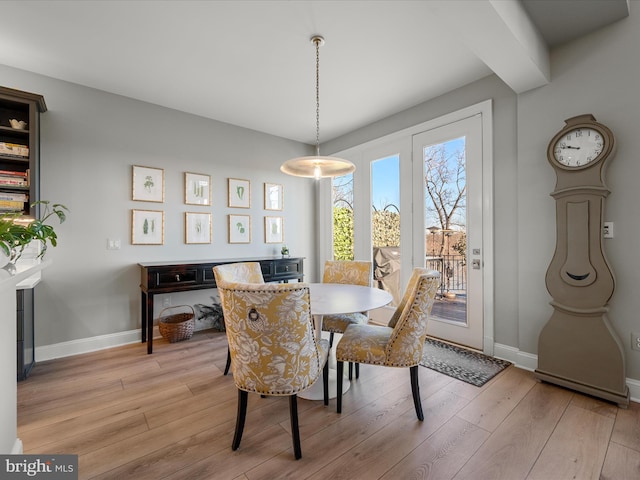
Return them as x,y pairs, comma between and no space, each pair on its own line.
466,365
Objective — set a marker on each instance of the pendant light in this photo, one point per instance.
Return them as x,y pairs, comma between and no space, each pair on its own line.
317,166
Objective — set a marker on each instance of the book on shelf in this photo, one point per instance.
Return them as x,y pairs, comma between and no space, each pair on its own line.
14,149
11,205
14,181
15,196
13,173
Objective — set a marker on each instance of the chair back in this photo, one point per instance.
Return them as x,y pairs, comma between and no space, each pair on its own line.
404,348
348,272
271,338
242,272
408,294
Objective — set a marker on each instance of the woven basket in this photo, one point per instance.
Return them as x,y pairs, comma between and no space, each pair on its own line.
177,326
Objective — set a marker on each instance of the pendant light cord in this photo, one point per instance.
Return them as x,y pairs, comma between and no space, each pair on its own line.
316,166
317,41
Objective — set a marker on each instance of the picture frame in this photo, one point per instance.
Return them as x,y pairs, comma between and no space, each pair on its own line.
197,189
239,228
147,184
273,196
147,227
273,230
197,227
239,194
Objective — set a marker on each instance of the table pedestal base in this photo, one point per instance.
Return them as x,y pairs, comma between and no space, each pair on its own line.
315,392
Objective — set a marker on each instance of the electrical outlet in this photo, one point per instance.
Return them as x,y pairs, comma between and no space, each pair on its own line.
167,301
635,341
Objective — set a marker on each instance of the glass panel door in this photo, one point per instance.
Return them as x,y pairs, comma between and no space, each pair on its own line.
385,225
342,198
448,163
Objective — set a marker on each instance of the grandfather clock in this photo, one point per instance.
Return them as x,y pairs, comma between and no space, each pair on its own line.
578,348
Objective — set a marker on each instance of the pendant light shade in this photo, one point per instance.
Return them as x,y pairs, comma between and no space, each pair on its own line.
317,166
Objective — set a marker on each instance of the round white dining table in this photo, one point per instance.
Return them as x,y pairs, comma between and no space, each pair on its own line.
334,299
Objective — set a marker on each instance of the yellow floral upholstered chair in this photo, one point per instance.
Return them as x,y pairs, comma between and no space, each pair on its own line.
244,272
346,272
400,343
273,347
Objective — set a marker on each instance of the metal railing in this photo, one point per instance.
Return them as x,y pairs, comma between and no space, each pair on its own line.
453,272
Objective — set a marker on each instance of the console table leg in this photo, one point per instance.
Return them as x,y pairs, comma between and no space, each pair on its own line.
149,323
143,316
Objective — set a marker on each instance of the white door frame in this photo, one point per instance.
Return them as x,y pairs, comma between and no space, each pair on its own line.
355,154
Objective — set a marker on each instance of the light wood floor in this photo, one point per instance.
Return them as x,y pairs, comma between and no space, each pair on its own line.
171,415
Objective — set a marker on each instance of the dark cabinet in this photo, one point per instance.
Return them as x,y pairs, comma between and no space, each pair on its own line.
167,277
25,338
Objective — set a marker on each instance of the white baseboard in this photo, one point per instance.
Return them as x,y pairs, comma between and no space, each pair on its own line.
17,447
86,345
526,361
634,389
529,361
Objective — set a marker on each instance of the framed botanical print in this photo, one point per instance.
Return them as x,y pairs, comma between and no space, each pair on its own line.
148,184
273,196
147,227
239,228
273,230
197,189
239,193
197,227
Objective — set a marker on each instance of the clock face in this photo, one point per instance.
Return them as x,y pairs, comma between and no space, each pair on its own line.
578,147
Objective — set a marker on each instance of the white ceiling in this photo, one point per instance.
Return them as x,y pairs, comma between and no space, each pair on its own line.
250,63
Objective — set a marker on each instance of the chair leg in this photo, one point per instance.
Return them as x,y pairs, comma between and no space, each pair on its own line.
330,340
340,374
295,431
242,414
325,382
415,390
226,368
351,364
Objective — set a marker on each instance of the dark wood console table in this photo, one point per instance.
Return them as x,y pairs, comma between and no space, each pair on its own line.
171,276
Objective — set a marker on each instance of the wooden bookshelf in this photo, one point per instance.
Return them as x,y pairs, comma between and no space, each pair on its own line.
20,150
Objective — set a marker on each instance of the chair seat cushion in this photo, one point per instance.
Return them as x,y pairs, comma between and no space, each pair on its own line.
364,344
339,323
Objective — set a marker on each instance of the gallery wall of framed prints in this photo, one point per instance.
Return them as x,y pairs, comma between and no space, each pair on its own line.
148,225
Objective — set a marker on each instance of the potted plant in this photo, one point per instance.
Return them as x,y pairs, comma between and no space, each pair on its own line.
18,231
284,251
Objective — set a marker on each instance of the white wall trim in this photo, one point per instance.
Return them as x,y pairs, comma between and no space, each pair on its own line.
17,447
86,345
634,389
526,361
529,361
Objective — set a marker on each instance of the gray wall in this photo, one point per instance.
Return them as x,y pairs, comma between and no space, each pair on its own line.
596,74
90,140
